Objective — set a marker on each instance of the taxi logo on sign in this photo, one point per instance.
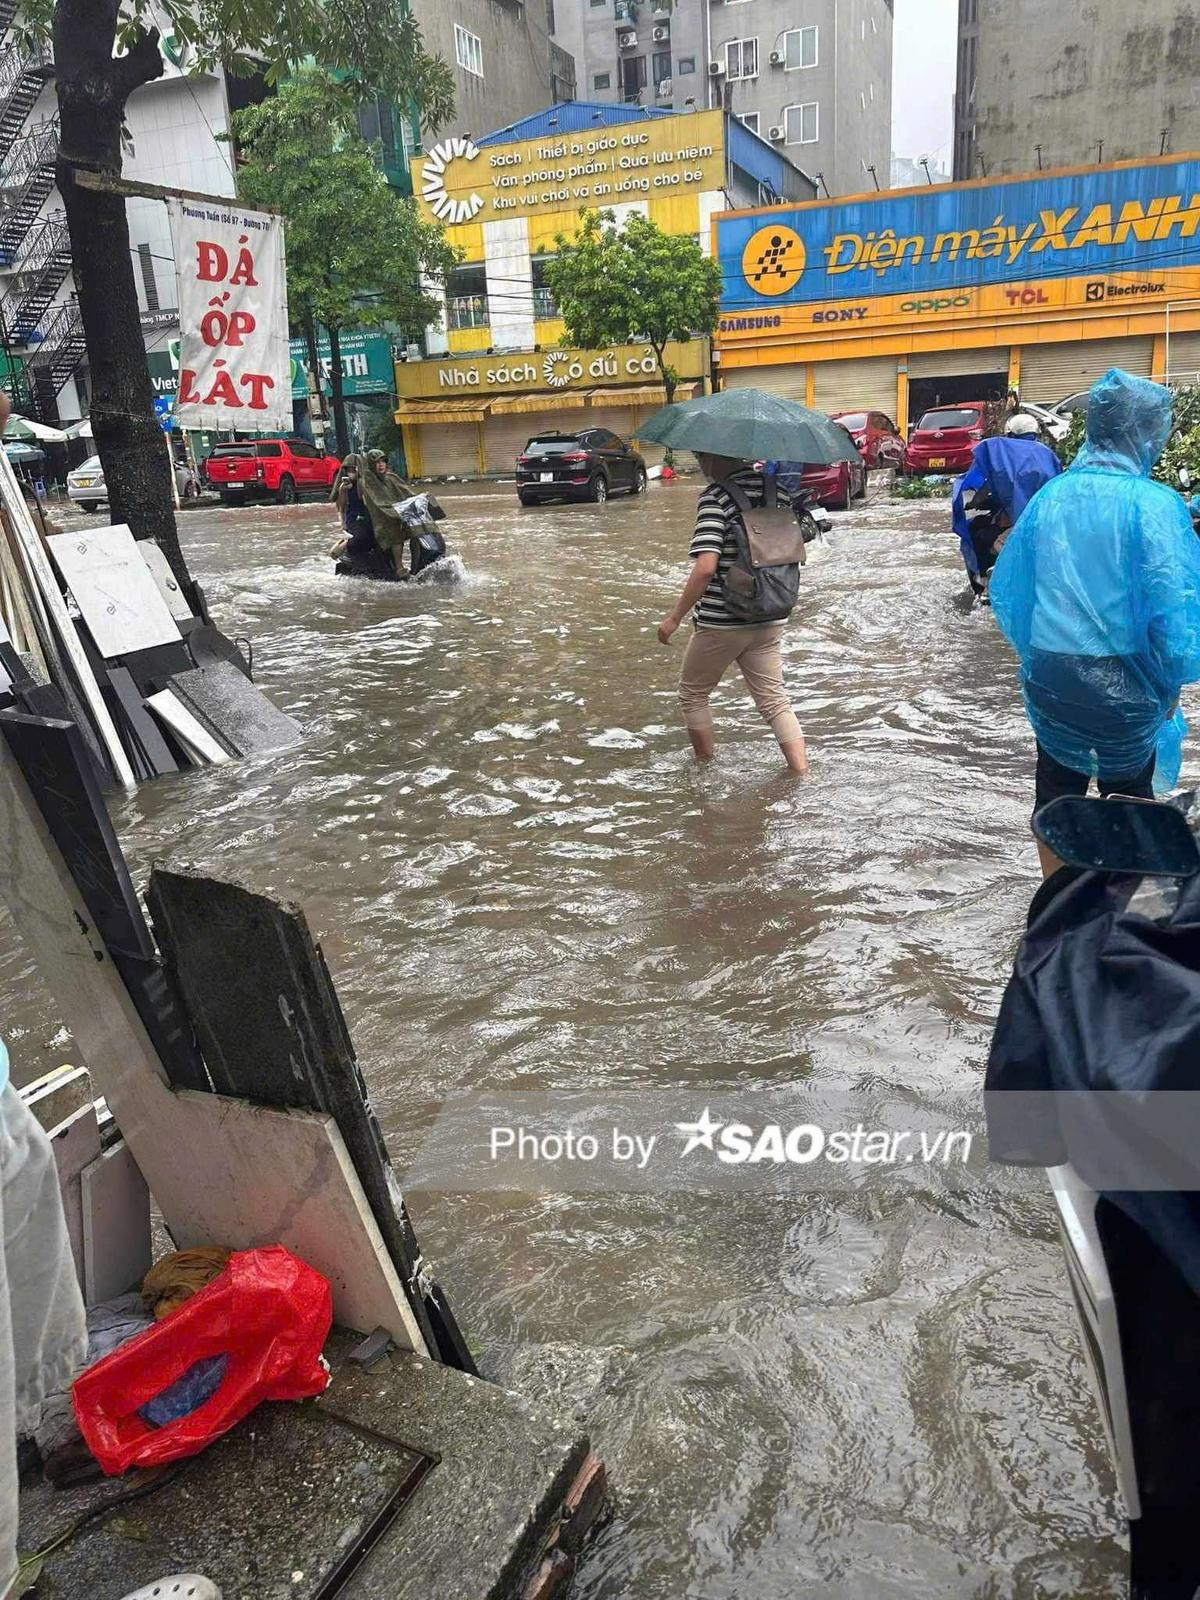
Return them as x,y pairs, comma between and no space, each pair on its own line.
773,260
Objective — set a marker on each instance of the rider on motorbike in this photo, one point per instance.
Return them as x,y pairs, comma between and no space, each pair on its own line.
1005,474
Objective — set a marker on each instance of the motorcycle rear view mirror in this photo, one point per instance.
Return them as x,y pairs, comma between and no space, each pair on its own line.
1140,837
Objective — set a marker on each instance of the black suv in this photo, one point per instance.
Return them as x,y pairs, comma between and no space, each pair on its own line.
588,465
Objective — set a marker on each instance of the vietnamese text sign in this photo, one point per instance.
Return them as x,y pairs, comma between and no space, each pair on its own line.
459,182
366,364
234,360
554,370
1111,238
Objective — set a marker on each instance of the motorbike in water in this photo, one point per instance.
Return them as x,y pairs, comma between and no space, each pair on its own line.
1093,1074
420,515
1006,472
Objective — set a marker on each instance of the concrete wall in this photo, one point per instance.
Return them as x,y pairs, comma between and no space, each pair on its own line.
1068,77
851,82
515,41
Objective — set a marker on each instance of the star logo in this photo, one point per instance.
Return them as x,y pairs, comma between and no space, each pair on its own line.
699,1133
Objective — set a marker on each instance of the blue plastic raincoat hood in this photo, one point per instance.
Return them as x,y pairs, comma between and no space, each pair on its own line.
1098,590
1012,471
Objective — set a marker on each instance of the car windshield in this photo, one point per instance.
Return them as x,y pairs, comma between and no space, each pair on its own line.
92,464
855,421
950,417
555,445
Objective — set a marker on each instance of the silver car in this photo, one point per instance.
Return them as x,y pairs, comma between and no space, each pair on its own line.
87,488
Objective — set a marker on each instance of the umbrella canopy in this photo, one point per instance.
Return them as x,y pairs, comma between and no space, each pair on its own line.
23,428
16,451
750,425
80,430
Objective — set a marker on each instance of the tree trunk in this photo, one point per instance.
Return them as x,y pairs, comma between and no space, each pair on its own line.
92,91
309,325
341,428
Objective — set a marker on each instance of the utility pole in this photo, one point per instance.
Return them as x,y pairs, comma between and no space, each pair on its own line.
874,178
1038,148
924,162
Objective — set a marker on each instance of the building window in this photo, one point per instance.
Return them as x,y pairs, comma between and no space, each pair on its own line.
468,50
145,261
633,78
661,65
685,65
741,59
750,120
597,4
602,80
799,48
801,123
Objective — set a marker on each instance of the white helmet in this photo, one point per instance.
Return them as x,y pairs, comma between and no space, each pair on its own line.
1022,426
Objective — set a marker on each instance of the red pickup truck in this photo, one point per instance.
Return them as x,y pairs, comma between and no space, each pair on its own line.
281,469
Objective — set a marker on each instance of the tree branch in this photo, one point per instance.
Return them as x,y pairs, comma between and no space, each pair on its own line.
142,64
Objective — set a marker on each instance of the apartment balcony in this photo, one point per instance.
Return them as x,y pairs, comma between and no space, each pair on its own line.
467,311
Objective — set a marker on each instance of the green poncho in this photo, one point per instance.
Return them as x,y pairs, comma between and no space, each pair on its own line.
379,494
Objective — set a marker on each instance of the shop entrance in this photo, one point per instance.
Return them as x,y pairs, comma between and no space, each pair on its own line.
925,393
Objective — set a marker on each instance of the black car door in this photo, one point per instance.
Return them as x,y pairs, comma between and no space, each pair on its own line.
616,457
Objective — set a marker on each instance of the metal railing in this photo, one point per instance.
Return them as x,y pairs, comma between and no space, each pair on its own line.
50,238
37,149
16,63
545,307
467,311
63,326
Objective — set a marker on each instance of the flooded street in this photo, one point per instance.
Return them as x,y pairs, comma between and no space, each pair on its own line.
521,882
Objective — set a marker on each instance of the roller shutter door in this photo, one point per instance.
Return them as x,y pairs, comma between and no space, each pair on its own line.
867,383
1050,372
448,447
504,437
789,381
1183,356
956,363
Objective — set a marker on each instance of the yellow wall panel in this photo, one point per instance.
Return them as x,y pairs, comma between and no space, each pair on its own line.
467,237
466,341
552,331
676,213
543,228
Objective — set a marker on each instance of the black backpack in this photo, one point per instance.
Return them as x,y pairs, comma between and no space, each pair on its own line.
763,584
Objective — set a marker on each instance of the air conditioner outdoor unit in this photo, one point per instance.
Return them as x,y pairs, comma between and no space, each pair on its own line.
776,135
661,35
716,69
627,40
776,58
665,90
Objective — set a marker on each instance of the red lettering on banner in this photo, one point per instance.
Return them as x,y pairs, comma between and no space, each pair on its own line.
258,382
189,395
223,393
212,262
243,273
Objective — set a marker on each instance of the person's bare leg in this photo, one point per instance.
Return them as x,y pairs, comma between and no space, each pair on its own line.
795,753
704,746
1050,862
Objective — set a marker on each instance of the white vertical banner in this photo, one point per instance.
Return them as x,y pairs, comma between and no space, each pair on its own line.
234,360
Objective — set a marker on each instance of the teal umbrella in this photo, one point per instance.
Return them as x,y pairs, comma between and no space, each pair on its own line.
750,425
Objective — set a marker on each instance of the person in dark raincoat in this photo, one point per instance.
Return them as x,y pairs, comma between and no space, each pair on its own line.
1005,474
1097,589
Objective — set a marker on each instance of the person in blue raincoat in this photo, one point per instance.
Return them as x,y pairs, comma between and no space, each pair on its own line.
1004,475
1097,589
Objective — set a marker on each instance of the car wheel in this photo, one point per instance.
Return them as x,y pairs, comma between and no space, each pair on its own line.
286,493
89,505
640,481
191,490
842,503
599,489
526,499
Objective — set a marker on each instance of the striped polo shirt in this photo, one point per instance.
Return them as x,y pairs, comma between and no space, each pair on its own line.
716,534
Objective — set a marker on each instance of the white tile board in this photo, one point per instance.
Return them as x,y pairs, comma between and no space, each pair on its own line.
168,584
175,715
76,1144
114,590
116,1225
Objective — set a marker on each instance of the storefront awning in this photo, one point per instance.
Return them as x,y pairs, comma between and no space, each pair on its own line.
507,405
647,395
441,410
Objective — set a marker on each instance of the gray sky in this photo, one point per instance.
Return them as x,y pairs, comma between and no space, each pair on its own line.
925,38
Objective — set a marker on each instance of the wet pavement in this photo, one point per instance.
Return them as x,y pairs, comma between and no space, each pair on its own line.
520,881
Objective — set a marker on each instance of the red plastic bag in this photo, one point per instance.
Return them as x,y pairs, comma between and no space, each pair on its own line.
268,1313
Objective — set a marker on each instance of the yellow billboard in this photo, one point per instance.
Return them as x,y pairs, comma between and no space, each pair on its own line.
458,182
557,371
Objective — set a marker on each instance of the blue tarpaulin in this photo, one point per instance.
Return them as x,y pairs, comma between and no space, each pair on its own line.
1097,589
1012,471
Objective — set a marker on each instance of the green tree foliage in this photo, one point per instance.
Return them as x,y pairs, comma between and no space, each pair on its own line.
103,51
614,285
355,249
1183,447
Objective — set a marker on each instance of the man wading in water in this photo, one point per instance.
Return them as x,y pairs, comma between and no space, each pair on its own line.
722,637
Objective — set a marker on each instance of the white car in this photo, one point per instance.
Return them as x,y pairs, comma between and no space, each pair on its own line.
87,488
1050,419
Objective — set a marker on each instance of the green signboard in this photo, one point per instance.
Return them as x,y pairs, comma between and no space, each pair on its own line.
367,366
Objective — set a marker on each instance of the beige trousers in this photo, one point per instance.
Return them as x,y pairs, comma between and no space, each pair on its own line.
712,651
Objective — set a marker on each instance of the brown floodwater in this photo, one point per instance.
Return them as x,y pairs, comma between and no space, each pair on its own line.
520,882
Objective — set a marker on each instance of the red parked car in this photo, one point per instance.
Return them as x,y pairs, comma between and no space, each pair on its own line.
277,469
944,438
833,486
878,438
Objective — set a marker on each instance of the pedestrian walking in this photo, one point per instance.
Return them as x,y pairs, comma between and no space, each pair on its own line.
721,636
1097,588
